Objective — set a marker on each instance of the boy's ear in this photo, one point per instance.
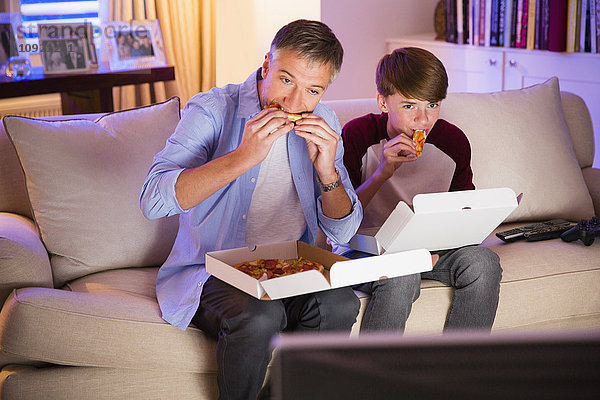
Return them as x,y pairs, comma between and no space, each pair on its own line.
381,103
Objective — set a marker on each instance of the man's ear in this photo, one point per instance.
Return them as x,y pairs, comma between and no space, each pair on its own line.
381,103
265,66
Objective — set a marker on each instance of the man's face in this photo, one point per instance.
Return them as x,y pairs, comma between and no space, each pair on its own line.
292,82
407,115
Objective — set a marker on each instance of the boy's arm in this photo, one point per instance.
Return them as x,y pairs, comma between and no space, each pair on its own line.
395,152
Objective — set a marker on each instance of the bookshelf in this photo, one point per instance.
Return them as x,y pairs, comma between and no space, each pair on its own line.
488,69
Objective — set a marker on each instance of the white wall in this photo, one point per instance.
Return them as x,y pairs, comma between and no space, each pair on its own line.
362,26
245,28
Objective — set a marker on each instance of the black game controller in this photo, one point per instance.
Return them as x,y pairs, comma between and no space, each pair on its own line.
585,230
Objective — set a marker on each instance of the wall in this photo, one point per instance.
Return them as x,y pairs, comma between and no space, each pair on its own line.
245,28
362,27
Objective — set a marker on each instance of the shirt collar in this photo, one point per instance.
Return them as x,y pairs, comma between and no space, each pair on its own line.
249,101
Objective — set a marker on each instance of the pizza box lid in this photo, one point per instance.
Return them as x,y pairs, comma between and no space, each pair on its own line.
339,271
439,221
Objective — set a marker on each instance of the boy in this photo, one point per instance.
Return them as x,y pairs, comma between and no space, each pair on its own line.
382,162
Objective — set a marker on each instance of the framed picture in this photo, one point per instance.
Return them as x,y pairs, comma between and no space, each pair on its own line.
11,37
62,56
83,31
134,44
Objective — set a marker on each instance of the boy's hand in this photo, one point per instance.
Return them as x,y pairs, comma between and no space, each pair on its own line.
322,142
396,151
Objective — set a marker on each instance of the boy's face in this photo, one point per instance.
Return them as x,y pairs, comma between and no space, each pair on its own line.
292,82
407,115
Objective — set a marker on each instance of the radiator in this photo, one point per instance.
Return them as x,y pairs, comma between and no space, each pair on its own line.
32,106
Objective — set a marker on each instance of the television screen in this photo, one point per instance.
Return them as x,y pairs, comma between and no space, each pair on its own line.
451,366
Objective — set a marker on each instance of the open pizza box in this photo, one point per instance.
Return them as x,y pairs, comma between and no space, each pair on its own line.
439,221
339,271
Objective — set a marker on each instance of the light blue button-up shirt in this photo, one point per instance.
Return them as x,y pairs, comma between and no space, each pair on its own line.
212,126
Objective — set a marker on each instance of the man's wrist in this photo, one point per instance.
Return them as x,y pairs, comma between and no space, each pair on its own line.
330,183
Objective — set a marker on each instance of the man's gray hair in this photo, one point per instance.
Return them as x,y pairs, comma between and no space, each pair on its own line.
311,40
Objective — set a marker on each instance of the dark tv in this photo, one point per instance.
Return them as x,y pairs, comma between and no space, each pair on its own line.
461,366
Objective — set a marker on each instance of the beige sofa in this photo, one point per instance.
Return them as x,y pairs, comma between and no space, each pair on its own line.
81,319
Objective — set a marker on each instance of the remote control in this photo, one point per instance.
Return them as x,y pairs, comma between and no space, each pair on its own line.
514,234
547,232
584,230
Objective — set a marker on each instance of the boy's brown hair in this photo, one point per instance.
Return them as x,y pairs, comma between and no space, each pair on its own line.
414,73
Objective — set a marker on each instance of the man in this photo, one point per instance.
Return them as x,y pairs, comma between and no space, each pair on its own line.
240,174
380,156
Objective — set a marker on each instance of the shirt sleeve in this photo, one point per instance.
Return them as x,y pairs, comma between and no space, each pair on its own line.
191,145
463,174
341,230
352,136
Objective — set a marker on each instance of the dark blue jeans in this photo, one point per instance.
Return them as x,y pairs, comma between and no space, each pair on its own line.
244,326
473,271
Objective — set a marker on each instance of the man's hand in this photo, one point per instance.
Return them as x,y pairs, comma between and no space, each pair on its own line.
260,132
396,151
322,142
195,185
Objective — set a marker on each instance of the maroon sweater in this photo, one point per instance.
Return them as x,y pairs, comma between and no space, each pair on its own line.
361,133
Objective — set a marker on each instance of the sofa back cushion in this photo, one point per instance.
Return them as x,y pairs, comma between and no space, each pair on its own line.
520,139
84,179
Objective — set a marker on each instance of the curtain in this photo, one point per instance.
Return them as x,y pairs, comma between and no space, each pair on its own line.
187,28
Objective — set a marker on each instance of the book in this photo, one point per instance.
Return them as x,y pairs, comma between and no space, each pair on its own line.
544,23
501,21
557,25
519,21
466,13
532,14
495,6
578,26
583,34
488,22
482,21
474,22
598,26
593,26
451,33
508,24
571,25
459,22
515,23
524,24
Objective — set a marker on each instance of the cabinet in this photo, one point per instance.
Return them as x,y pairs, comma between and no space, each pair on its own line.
488,69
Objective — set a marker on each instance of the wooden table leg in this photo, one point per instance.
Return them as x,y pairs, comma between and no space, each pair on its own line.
88,101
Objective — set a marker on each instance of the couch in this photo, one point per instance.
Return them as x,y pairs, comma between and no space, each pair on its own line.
78,261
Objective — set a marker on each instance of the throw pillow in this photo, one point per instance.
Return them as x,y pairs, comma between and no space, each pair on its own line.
84,179
519,139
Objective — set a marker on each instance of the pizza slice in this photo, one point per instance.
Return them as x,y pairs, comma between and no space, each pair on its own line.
419,140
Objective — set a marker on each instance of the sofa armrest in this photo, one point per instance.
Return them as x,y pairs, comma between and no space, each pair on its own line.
24,260
592,179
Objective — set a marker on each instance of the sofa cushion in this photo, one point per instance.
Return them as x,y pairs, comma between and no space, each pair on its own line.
580,126
13,195
23,258
114,321
84,179
519,139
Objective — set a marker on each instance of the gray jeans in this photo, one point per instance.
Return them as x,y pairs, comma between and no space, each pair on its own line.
474,273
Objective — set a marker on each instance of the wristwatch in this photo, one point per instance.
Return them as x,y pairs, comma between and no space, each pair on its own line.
330,186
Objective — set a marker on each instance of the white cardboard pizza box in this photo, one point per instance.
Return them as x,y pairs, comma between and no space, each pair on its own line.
439,221
339,271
